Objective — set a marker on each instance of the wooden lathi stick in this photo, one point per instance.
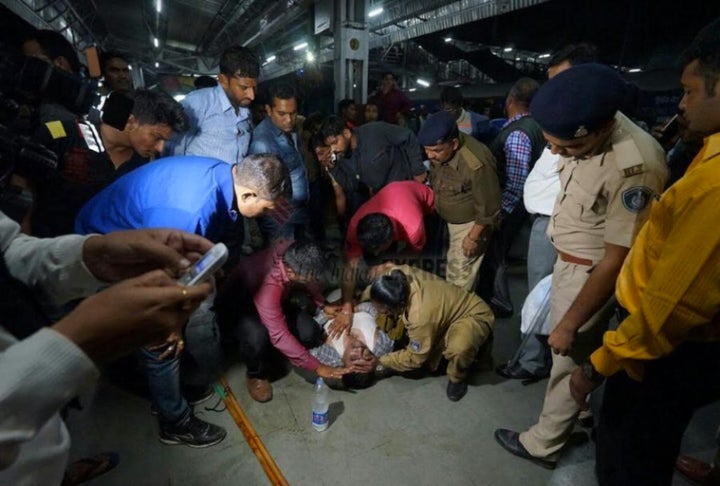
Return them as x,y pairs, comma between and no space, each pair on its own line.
241,419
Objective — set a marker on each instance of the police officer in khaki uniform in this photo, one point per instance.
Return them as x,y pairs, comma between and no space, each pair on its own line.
467,193
610,172
441,320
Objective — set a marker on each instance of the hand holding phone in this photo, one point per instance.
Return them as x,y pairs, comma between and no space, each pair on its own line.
204,268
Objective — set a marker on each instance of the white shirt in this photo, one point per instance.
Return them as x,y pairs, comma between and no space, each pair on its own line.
542,185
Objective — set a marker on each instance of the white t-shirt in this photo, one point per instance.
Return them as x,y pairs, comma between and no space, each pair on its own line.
542,185
363,327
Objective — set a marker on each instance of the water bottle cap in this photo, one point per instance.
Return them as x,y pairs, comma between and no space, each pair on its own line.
319,381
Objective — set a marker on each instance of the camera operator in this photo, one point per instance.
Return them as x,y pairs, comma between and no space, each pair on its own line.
41,373
133,130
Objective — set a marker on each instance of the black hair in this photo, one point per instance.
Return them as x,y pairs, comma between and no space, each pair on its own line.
388,73
333,126
307,259
524,90
281,91
374,230
317,140
56,45
265,174
106,56
157,107
574,54
452,96
358,381
344,104
391,290
705,48
205,82
240,61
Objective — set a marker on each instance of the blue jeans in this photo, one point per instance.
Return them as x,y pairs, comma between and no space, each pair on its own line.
202,354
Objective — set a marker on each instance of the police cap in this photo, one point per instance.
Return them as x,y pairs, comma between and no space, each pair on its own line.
578,101
438,128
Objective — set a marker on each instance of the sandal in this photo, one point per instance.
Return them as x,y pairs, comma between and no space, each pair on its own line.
88,468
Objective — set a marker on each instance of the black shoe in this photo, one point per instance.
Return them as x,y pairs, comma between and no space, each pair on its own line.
517,372
510,441
192,432
455,391
197,394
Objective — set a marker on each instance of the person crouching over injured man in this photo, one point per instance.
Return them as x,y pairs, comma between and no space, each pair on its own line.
441,320
364,343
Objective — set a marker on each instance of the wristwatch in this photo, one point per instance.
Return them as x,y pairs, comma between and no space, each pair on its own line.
589,371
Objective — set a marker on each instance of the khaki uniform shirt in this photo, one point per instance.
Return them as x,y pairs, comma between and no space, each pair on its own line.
434,305
606,198
466,187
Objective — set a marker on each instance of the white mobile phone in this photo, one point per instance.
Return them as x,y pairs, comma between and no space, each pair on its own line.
206,266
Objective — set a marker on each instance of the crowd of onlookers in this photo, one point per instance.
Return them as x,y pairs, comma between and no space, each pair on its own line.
410,217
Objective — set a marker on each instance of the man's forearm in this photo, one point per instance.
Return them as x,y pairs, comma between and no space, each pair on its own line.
348,282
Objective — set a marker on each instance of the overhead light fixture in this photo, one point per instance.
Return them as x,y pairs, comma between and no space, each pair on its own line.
635,70
375,12
130,67
156,42
517,58
310,56
159,6
448,39
157,64
458,86
270,59
508,49
423,83
179,97
354,85
300,46
543,56
412,89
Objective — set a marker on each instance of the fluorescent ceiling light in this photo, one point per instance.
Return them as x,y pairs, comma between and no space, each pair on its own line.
130,67
270,59
448,39
300,46
179,97
412,89
543,56
375,12
310,56
508,49
157,64
422,82
156,42
458,85
159,6
635,70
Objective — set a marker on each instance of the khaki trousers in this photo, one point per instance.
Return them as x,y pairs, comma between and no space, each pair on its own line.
560,411
461,270
462,342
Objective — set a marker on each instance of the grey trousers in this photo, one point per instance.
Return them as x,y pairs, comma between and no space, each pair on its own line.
536,356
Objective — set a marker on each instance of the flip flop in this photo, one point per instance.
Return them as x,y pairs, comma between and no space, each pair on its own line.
88,468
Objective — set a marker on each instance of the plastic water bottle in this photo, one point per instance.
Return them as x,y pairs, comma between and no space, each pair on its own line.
320,405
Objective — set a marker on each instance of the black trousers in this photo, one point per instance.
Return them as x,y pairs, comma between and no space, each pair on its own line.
641,424
254,341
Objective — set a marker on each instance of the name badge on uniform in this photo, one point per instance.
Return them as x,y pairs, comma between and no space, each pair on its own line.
636,198
634,170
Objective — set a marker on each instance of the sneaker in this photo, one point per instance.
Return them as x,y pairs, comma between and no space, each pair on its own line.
455,391
192,432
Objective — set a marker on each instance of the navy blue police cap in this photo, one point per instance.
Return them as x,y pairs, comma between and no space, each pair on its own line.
437,129
578,101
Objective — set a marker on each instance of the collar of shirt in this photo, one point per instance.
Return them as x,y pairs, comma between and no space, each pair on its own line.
515,118
225,105
226,183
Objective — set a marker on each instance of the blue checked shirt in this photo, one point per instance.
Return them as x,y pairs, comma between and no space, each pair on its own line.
518,154
215,130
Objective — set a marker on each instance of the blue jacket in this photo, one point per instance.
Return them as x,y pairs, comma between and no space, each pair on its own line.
267,138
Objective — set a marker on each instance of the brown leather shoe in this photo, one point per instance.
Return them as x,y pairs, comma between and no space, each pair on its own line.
260,389
696,470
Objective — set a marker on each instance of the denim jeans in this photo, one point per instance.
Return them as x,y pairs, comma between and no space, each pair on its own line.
202,356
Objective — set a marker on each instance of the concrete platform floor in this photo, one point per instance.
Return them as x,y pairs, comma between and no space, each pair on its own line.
398,432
